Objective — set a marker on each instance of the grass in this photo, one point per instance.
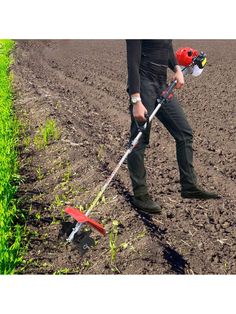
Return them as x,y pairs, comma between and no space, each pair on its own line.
10,232
47,133
40,174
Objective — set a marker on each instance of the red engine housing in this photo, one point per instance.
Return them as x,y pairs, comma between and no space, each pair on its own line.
185,55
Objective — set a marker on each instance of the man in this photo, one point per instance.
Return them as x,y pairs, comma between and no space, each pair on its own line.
147,62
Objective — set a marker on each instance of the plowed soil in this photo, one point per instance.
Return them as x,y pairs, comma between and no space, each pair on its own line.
81,84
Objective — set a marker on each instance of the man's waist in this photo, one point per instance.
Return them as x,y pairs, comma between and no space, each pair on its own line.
154,70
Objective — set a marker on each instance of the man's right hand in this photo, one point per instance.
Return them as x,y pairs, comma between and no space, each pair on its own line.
139,112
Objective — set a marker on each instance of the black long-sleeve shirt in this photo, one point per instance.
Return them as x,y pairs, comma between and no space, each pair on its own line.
150,58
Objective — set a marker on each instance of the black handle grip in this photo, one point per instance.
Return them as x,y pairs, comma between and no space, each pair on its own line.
141,127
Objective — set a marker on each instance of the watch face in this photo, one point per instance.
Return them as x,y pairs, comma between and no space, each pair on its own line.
134,99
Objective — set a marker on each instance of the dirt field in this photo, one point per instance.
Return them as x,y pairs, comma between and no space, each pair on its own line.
82,86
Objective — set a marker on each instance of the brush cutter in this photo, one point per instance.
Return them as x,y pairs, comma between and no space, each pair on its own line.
191,62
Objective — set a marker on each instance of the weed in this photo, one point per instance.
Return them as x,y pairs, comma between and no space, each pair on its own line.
40,174
24,263
67,174
132,248
101,152
38,216
86,264
124,245
62,271
55,221
24,132
226,266
27,141
58,202
30,209
45,265
103,200
58,105
34,234
46,134
141,234
113,235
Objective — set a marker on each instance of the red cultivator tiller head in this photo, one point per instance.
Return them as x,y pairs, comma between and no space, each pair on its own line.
191,62
82,218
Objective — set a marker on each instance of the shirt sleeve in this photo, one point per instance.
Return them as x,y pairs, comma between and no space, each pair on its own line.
172,62
134,50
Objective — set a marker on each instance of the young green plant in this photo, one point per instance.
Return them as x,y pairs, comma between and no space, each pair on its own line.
46,134
11,233
113,235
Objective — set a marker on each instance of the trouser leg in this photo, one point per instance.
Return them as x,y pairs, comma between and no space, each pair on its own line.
137,171
174,119
135,159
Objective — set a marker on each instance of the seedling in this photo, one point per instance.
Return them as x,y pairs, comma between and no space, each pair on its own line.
40,174
86,264
67,174
124,245
38,216
46,134
141,234
113,235
26,142
58,201
100,152
62,271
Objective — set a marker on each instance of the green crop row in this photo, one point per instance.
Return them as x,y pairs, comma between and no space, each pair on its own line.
10,229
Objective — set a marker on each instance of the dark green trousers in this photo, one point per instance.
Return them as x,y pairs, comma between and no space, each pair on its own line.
173,118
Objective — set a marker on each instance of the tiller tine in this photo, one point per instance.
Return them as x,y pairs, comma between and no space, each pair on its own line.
82,218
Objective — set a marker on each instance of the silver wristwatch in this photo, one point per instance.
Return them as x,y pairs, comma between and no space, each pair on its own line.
135,99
